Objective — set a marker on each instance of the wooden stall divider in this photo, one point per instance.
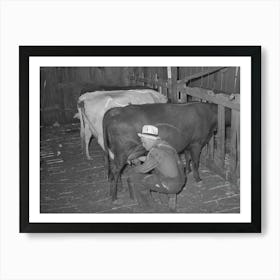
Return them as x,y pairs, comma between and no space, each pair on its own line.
221,136
173,87
235,144
216,148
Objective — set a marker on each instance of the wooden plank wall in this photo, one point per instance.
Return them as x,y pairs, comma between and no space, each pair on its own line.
155,77
225,81
60,88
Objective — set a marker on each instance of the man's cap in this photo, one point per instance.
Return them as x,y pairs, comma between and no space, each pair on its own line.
149,131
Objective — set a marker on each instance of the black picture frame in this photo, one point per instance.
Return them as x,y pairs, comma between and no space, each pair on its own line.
25,52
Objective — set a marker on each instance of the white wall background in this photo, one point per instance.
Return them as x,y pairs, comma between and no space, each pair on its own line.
139,256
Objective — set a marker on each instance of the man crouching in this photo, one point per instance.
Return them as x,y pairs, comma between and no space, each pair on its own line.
162,170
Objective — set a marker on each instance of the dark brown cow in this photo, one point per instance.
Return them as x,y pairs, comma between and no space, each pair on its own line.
187,127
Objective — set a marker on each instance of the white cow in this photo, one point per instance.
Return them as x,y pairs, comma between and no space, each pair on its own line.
93,105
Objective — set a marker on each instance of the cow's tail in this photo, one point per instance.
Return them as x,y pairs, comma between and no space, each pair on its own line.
82,122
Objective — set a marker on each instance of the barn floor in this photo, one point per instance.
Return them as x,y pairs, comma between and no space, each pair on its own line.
72,184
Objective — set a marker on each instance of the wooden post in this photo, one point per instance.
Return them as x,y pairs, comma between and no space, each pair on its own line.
221,136
151,81
169,95
237,170
166,89
222,80
203,155
142,76
235,79
214,82
146,76
160,83
172,83
155,82
235,138
132,78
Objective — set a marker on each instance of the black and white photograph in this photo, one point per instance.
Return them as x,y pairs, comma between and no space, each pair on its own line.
132,135
140,139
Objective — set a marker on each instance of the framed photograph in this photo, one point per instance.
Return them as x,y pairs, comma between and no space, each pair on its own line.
140,139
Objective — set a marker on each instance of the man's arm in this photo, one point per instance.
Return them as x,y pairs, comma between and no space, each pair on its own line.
148,165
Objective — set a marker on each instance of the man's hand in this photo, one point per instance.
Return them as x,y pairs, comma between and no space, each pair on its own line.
143,158
135,161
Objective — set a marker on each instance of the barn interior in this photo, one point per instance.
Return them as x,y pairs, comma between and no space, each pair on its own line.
69,183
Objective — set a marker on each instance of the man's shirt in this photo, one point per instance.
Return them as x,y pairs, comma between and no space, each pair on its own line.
164,159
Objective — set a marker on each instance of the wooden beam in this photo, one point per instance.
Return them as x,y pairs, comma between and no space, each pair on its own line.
199,75
210,96
159,82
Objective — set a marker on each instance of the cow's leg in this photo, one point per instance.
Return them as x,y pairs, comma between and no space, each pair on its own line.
88,135
113,189
82,135
108,163
188,161
121,163
110,173
82,129
195,150
117,169
113,185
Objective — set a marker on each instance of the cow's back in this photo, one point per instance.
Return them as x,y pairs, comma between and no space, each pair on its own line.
179,124
96,103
